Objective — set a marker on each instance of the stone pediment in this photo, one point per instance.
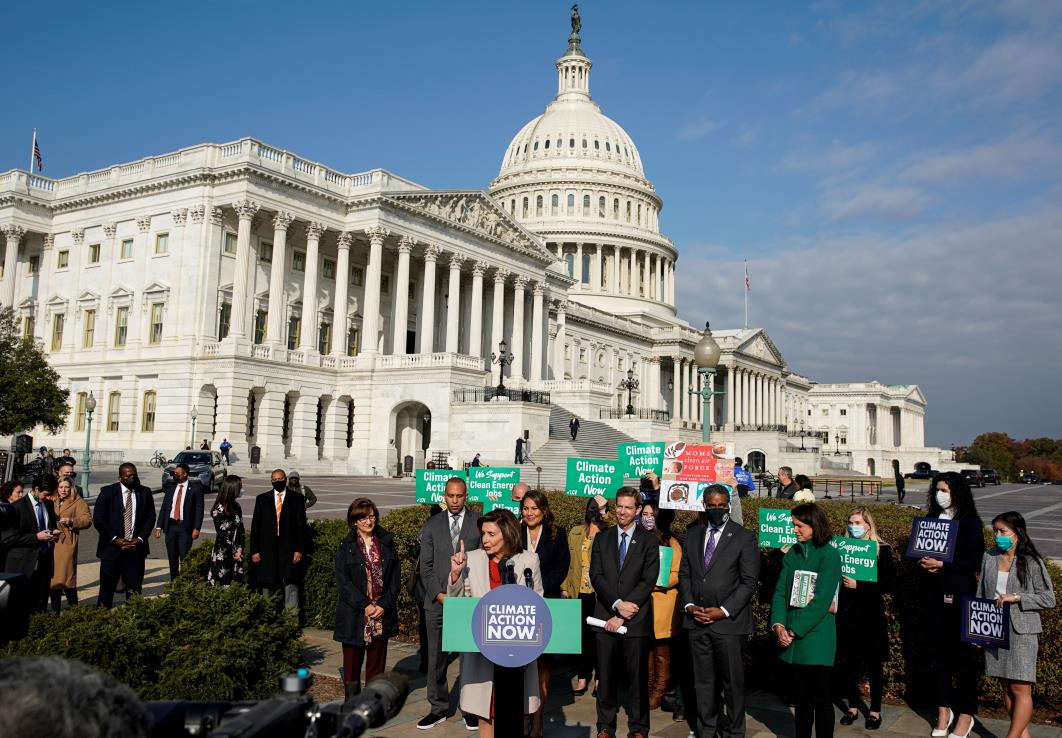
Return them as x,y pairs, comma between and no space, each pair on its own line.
475,212
761,347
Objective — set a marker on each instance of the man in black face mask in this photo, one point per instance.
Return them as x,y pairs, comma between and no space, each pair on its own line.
717,578
124,515
278,540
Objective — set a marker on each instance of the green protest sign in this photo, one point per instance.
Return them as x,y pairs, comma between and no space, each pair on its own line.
431,483
638,459
503,504
566,637
776,528
491,483
859,558
667,558
590,477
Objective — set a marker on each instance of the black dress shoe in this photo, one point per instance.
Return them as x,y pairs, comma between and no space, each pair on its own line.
849,718
873,723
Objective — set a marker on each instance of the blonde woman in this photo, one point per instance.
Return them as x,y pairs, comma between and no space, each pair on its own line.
72,516
577,584
862,632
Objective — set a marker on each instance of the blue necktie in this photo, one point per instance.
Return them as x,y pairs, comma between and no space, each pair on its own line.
40,523
623,549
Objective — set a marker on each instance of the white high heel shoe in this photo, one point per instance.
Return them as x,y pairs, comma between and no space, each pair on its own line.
947,730
968,731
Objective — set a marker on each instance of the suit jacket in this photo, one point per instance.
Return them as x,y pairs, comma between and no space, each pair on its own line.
729,582
20,542
436,550
1037,593
191,507
107,517
278,549
633,583
959,577
553,558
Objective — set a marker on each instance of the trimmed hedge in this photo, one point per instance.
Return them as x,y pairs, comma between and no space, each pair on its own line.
195,643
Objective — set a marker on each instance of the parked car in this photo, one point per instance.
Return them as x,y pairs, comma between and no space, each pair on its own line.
921,474
1030,478
205,466
991,476
974,477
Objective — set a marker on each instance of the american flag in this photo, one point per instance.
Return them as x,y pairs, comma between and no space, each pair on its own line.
748,284
37,158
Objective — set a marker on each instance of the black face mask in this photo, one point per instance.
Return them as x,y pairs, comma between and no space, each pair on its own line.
717,516
279,486
133,481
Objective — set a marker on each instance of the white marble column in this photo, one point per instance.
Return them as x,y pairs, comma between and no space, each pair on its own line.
577,266
427,300
644,278
475,322
497,314
245,211
691,381
453,305
562,337
614,281
340,325
517,341
370,320
658,278
596,269
677,400
401,321
731,394
537,327
655,371
275,320
746,397
12,234
310,321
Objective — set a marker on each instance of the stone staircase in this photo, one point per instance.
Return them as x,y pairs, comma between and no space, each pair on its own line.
596,440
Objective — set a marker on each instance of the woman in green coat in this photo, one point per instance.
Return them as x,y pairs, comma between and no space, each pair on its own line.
802,616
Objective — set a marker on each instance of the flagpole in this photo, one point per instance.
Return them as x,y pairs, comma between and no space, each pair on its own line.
33,148
746,286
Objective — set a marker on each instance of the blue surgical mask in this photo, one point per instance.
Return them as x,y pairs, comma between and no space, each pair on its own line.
856,531
1004,542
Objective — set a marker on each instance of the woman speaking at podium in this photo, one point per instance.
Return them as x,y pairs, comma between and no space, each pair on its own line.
475,573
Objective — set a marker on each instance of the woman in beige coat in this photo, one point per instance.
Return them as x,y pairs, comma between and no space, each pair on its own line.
473,575
72,516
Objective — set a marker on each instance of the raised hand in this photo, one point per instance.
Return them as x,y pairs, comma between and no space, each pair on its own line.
457,562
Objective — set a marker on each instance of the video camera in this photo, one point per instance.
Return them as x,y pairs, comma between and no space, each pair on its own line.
291,713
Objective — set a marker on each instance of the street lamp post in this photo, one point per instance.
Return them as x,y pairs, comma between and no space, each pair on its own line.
503,358
801,435
194,414
90,407
630,384
706,356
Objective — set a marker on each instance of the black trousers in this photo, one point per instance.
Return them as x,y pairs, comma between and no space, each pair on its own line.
956,665
850,668
812,703
178,544
129,566
587,660
622,659
718,667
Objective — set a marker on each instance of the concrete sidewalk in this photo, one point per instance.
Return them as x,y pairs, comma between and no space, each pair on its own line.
574,717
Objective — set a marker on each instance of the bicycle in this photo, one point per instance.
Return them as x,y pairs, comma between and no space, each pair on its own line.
158,460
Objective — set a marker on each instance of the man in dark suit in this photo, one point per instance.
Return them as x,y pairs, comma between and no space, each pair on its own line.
573,427
624,564
30,543
278,540
180,517
440,539
717,578
786,487
124,515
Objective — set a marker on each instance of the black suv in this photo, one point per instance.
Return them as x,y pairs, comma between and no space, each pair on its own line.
206,467
1030,478
991,476
974,477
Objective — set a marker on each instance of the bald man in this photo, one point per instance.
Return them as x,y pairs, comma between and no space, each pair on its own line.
519,490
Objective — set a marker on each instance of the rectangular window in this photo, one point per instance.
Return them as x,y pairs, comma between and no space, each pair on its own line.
62,259
88,329
329,269
265,253
121,327
94,253
298,261
324,338
58,320
353,341
147,420
34,265
357,276
843,439
79,411
28,326
156,324
162,244
114,403
125,251
844,412
385,284
294,327
224,319
260,321
229,249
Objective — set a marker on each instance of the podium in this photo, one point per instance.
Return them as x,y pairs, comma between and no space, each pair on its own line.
511,626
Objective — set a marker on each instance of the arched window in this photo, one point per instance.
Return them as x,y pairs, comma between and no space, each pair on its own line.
584,143
525,148
538,206
114,405
597,144
615,208
571,204
525,207
147,420
547,143
601,207
535,148
628,211
639,213
608,147
586,205
571,143
554,205
560,142
512,207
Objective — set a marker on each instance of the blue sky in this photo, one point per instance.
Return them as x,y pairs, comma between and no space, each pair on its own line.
890,170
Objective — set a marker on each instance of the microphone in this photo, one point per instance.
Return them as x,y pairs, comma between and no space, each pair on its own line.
379,701
511,568
529,580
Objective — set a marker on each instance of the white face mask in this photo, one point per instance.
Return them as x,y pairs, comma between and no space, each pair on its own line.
944,499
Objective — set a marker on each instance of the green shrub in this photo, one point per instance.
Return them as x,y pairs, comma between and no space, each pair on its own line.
194,643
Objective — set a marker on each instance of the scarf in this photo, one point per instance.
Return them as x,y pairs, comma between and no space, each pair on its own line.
373,586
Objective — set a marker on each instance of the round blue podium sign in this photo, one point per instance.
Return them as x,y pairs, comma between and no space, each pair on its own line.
512,625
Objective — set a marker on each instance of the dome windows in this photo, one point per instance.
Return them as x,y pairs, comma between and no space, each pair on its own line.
571,204
525,207
597,145
601,206
571,143
615,208
535,147
560,142
554,205
584,143
538,206
547,144
586,205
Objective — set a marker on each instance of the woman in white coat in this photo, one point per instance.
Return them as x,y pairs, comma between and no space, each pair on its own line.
473,575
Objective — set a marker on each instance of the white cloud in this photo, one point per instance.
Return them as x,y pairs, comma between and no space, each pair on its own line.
874,201
837,159
1014,158
698,129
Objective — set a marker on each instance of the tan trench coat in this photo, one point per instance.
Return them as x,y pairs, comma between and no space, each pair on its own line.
65,574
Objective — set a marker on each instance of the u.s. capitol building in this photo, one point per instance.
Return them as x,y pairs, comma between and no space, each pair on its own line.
346,322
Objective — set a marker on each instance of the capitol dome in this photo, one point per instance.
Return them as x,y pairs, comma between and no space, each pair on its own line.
573,176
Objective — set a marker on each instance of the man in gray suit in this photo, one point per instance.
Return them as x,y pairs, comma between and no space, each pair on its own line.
440,539
717,578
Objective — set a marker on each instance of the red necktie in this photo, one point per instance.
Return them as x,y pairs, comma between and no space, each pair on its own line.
177,503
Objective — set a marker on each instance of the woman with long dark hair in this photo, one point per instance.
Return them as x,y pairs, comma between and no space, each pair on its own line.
577,584
1013,573
802,617
946,584
665,613
226,558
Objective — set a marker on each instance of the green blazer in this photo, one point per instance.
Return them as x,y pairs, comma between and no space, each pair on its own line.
816,634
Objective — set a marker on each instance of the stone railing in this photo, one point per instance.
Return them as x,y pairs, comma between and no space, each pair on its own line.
571,385
486,394
430,361
262,351
615,413
212,349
